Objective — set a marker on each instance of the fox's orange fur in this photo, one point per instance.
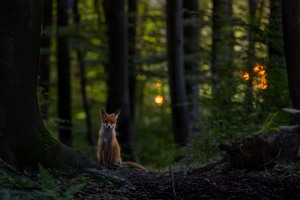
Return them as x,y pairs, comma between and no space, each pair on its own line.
108,150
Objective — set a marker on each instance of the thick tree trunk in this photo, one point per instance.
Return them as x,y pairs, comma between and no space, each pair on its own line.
24,141
179,105
118,86
291,33
44,72
64,76
191,61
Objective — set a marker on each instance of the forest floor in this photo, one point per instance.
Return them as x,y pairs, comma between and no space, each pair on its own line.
213,181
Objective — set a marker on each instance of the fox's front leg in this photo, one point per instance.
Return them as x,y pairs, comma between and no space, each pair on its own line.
99,156
109,159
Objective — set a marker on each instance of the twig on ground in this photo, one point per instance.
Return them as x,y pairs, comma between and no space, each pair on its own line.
173,181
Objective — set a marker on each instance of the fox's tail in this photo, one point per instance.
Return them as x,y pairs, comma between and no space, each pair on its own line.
134,165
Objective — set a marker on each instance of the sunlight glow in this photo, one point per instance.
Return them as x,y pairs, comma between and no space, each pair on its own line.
159,100
261,81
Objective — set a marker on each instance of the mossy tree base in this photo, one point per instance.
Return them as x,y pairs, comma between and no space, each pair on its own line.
40,147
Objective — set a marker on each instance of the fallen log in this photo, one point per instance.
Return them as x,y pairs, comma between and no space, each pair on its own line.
262,151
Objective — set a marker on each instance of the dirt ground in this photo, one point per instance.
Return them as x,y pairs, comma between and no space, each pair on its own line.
214,181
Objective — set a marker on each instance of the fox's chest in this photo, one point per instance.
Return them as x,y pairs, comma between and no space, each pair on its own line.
107,143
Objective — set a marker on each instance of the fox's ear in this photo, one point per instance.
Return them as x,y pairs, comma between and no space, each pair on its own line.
117,112
103,113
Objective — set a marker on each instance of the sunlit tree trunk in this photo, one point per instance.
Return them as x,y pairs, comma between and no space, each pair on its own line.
117,69
24,141
291,33
175,41
191,61
64,76
44,72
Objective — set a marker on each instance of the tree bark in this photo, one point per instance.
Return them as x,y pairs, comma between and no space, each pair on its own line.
276,65
132,15
64,76
24,141
291,33
191,61
251,53
222,54
179,106
44,72
118,85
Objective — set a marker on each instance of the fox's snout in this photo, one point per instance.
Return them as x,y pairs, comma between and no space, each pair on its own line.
109,126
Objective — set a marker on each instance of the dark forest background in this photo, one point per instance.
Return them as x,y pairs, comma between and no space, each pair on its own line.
187,77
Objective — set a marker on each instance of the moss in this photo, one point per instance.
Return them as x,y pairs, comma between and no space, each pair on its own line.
37,148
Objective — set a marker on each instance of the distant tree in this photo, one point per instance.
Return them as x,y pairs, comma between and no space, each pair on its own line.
191,61
24,141
44,72
132,18
276,65
64,76
175,43
291,33
222,54
117,69
83,80
252,31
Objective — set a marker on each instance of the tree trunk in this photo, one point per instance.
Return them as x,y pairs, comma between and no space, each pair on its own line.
24,141
44,72
86,105
251,53
132,14
64,79
191,61
291,33
222,50
276,66
118,85
179,106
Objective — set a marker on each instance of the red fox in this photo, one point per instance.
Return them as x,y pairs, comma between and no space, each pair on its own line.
108,150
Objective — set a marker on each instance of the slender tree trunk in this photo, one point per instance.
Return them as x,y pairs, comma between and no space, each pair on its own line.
64,76
191,61
44,72
179,106
24,141
276,65
222,50
83,81
251,52
291,33
132,15
117,68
